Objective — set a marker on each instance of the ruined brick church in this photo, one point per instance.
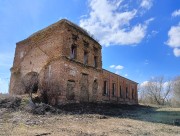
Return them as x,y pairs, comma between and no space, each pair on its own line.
68,59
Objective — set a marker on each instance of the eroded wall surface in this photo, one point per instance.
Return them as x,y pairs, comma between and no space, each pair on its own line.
69,65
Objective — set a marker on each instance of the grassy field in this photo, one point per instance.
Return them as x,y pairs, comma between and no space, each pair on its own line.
164,115
92,120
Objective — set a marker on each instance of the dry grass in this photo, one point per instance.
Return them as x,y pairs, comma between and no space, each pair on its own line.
16,124
130,121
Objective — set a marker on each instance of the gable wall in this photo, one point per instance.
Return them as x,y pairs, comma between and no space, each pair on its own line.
33,54
48,53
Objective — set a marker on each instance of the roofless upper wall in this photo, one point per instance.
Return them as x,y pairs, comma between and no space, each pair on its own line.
68,58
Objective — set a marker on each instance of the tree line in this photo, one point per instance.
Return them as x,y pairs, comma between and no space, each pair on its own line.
160,91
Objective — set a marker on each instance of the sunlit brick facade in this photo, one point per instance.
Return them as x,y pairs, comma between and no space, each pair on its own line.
64,55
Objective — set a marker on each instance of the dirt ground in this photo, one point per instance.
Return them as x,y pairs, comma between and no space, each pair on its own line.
92,120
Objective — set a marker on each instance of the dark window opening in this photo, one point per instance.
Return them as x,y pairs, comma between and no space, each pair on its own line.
85,57
71,81
35,88
132,93
86,44
73,53
70,94
120,93
74,37
95,50
127,92
95,62
105,92
113,89
84,74
95,80
95,86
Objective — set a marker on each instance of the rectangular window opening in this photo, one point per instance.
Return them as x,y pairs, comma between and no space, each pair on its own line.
95,62
113,89
105,88
132,93
73,53
120,93
127,92
85,57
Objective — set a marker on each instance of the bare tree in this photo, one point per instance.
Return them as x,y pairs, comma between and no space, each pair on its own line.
30,82
156,91
176,92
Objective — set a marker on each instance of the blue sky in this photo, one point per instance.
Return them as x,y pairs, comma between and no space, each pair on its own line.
140,38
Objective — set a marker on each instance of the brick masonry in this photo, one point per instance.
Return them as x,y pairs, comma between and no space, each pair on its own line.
69,60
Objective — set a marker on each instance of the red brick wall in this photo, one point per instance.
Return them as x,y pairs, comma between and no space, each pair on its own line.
81,38
48,53
123,82
33,53
64,69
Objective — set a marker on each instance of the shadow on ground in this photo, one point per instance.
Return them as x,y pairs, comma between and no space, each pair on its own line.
137,112
98,110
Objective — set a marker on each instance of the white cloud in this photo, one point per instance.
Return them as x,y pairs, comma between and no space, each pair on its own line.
149,20
152,34
118,67
147,4
176,13
117,72
112,66
143,84
112,26
83,16
176,52
174,34
174,39
146,83
126,75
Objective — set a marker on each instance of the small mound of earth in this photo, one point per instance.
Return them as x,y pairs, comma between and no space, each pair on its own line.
41,109
10,102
